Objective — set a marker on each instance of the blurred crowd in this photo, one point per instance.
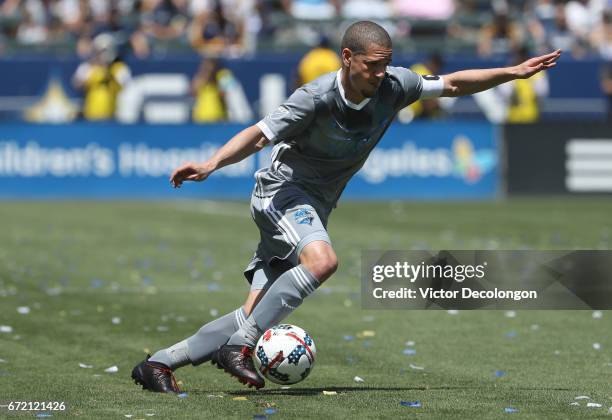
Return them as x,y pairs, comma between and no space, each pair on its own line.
238,27
104,32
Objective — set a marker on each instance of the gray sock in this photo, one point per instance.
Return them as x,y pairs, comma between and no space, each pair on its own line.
199,348
283,297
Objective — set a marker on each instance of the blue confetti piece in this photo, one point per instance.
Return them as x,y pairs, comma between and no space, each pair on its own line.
44,415
97,283
213,287
415,404
510,410
348,338
511,334
182,395
409,352
270,411
147,281
500,373
145,263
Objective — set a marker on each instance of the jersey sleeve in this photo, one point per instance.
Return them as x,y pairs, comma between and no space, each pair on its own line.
409,85
414,86
289,119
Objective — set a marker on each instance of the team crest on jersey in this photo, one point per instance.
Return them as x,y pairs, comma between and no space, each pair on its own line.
303,217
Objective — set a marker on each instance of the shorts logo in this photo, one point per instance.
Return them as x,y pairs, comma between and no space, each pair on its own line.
303,217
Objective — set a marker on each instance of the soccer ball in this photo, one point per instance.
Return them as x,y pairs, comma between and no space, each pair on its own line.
285,354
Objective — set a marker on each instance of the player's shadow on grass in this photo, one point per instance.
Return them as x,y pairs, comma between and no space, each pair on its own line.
319,391
350,389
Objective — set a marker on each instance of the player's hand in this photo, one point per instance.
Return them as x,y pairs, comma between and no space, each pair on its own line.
537,64
189,172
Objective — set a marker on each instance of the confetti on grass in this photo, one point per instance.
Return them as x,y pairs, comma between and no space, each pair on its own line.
84,366
593,405
510,410
330,393
112,369
358,379
415,404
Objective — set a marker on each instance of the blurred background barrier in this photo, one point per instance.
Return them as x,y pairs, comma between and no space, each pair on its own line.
134,88
560,158
107,160
46,88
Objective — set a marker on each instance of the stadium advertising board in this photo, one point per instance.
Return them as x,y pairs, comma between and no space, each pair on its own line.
571,158
432,161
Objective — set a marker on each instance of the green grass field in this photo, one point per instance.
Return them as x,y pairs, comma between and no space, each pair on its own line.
163,270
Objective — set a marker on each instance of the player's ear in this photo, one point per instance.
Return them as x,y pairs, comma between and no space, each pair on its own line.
346,57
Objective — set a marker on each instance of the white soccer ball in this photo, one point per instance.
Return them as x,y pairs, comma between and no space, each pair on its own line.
285,354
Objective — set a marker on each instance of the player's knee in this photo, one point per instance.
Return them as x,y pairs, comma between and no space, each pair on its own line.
320,261
327,266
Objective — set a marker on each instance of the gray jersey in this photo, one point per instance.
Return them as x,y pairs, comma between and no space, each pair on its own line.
321,139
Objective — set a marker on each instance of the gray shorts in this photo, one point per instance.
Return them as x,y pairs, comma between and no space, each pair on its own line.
287,222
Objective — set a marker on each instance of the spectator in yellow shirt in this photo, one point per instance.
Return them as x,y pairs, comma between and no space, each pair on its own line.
101,78
523,96
317,62
427,108
209,104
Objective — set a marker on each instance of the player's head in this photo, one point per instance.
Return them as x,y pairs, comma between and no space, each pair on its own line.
366,52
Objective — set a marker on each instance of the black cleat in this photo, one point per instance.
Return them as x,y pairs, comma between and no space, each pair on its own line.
237,361
154,376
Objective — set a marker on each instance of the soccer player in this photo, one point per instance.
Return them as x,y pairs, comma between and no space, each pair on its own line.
322,136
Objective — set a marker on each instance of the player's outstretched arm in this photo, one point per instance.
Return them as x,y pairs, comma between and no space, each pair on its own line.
467,82
242,145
